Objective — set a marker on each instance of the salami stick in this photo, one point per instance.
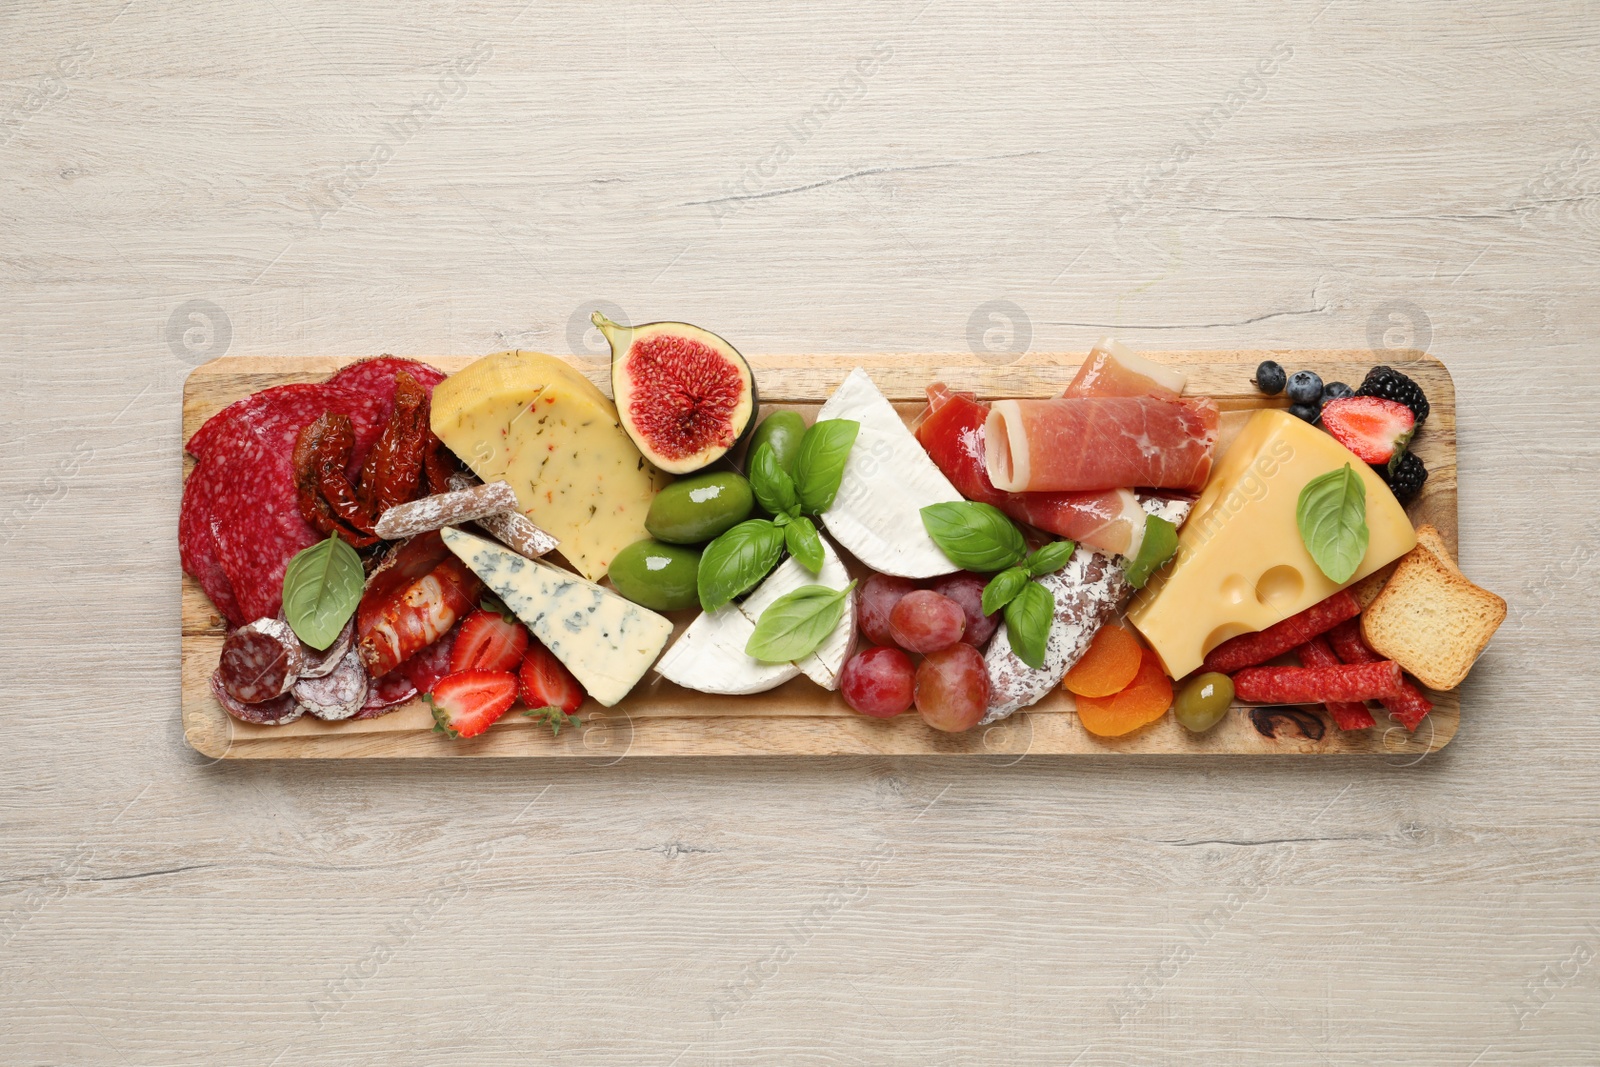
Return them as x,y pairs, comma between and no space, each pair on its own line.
1408,706
1317,685
1247,650
1348,714
512,528
446,509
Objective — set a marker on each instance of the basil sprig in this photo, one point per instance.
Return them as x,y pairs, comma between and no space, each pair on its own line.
321,590
797,623
1332,516
737,560
979,537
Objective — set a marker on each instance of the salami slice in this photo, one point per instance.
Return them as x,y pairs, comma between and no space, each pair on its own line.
1317,685
261,661
275,712
197,543
374,377
337,695
1347,715
321,664
1408,705
1247,650
387,694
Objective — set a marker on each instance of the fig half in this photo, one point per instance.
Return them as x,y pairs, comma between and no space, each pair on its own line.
683,394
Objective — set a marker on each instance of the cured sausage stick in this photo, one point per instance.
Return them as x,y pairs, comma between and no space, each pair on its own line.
446,509
512,528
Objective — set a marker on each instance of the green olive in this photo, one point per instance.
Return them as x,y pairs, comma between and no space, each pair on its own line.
1204,701
782,430
699,507
657,576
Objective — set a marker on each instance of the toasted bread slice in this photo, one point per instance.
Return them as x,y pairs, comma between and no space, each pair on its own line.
1367,589
1429,618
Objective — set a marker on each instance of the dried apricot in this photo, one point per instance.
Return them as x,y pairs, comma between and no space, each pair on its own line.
1108,667
1144,701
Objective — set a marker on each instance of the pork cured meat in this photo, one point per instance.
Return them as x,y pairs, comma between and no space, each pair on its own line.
952,434
261,661
197,544
386,694
1247,650
319,664
337,695
1318,685
1076,444
1408,705
1347,715
274,712
425,668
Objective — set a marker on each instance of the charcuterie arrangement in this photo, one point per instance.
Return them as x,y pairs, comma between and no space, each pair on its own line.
509,535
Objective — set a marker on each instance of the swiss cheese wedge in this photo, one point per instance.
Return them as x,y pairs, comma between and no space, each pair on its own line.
534,421
1241,565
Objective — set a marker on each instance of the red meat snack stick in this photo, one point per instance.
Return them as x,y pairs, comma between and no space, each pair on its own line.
1347,714
1317,685
1409,707
1247,650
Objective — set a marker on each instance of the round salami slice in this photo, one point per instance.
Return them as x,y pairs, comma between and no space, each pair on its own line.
375,377
197,542
260,661
338,695
275,712
321,664
386,694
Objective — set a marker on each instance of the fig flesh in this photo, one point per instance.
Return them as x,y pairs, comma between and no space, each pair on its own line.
683,394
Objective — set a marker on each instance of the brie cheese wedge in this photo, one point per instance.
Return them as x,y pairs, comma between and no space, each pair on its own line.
888,480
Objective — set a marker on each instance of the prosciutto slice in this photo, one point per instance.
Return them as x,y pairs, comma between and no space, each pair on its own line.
1114,369
951,432
1076,444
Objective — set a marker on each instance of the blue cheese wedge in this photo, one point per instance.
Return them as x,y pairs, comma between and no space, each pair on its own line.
709,656
888,480
605,641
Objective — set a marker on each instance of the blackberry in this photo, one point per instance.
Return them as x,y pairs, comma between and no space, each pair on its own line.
1407,478
1390,384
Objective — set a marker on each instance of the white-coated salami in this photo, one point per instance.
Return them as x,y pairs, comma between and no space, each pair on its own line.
446,509
337,695
511,528
274,712
321,664
1089,591
260,661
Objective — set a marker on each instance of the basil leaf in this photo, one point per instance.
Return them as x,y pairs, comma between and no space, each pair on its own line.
321,590
737,560
1003,589
487,601
819,462
797,623
1159,544
1050,558
976,537
772,485
804,544
1332,516
1028,619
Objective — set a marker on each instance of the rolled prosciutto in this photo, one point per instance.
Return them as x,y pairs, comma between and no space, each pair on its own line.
1078,444
1110,521
1114,369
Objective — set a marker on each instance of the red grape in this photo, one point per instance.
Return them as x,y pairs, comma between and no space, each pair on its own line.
879,594
878,682
952,688
966,589
924,621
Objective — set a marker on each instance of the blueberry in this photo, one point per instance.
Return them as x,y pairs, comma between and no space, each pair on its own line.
1305,387
1336,391
1305,412
1270,378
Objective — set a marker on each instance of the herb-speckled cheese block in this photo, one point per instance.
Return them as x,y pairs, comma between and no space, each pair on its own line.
532,420
605,641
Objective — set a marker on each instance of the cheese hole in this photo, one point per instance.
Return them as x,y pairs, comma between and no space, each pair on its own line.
1236,589
1226,632
1279,587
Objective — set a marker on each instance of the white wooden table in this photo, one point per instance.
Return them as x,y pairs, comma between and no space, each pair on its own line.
283,179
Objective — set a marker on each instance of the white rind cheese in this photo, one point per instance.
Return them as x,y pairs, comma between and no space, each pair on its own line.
709,656
605,641
888,480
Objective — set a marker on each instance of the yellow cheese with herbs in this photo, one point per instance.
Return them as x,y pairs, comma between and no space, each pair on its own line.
1241,565
534,421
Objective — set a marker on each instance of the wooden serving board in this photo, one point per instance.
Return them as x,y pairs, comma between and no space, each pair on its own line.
800,718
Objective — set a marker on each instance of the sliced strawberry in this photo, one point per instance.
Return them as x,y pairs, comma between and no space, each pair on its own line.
1373,428
488,642
469,702
546,682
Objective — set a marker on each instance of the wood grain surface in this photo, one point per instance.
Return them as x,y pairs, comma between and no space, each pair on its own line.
188,181
800,718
